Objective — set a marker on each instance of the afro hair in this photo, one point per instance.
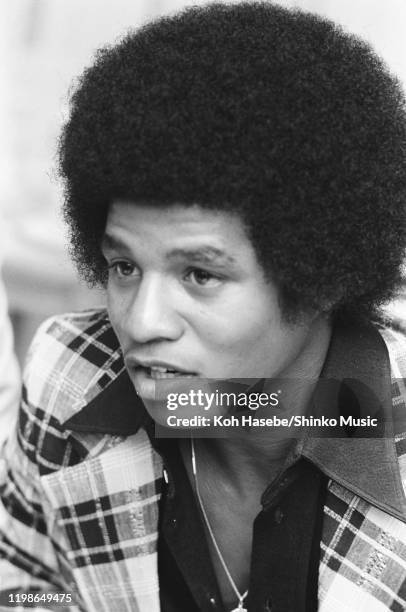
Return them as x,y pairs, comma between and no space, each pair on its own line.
276,114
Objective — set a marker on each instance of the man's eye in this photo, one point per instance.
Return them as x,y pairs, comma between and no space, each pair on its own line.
202,277
122,268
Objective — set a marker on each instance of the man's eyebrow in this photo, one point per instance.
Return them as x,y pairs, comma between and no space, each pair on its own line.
110,242
205,254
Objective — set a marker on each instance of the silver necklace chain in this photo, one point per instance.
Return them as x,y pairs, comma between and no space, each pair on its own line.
210,530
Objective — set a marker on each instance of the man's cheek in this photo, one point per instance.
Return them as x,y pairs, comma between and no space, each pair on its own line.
117,317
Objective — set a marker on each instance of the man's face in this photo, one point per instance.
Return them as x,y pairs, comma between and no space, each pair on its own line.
187,294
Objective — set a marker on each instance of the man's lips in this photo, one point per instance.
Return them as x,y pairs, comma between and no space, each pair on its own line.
163,373
151,383
156,367
146,373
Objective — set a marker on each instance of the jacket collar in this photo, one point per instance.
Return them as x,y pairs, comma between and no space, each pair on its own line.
367,466
117,410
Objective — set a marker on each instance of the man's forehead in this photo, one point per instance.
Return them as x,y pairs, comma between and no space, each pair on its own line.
175,212
202,253
191,232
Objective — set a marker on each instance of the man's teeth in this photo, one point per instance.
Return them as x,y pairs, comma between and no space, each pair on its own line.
158,372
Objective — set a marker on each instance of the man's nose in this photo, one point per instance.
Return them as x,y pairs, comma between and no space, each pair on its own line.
151,314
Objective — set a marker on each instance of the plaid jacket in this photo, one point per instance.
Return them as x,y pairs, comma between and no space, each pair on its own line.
80,492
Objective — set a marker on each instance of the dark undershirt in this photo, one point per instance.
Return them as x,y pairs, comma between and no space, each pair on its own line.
285,549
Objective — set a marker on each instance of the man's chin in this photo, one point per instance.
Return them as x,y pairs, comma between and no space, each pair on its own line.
157,410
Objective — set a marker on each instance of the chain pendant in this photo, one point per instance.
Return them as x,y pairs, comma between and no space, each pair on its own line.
241,598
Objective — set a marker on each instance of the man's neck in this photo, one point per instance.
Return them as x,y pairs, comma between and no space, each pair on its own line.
259,453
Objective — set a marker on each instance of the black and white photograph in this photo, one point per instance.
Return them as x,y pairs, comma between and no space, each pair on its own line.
203,306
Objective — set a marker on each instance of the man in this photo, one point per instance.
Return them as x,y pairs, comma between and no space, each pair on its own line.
235,176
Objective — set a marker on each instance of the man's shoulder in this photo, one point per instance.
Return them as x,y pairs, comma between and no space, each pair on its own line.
72,358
